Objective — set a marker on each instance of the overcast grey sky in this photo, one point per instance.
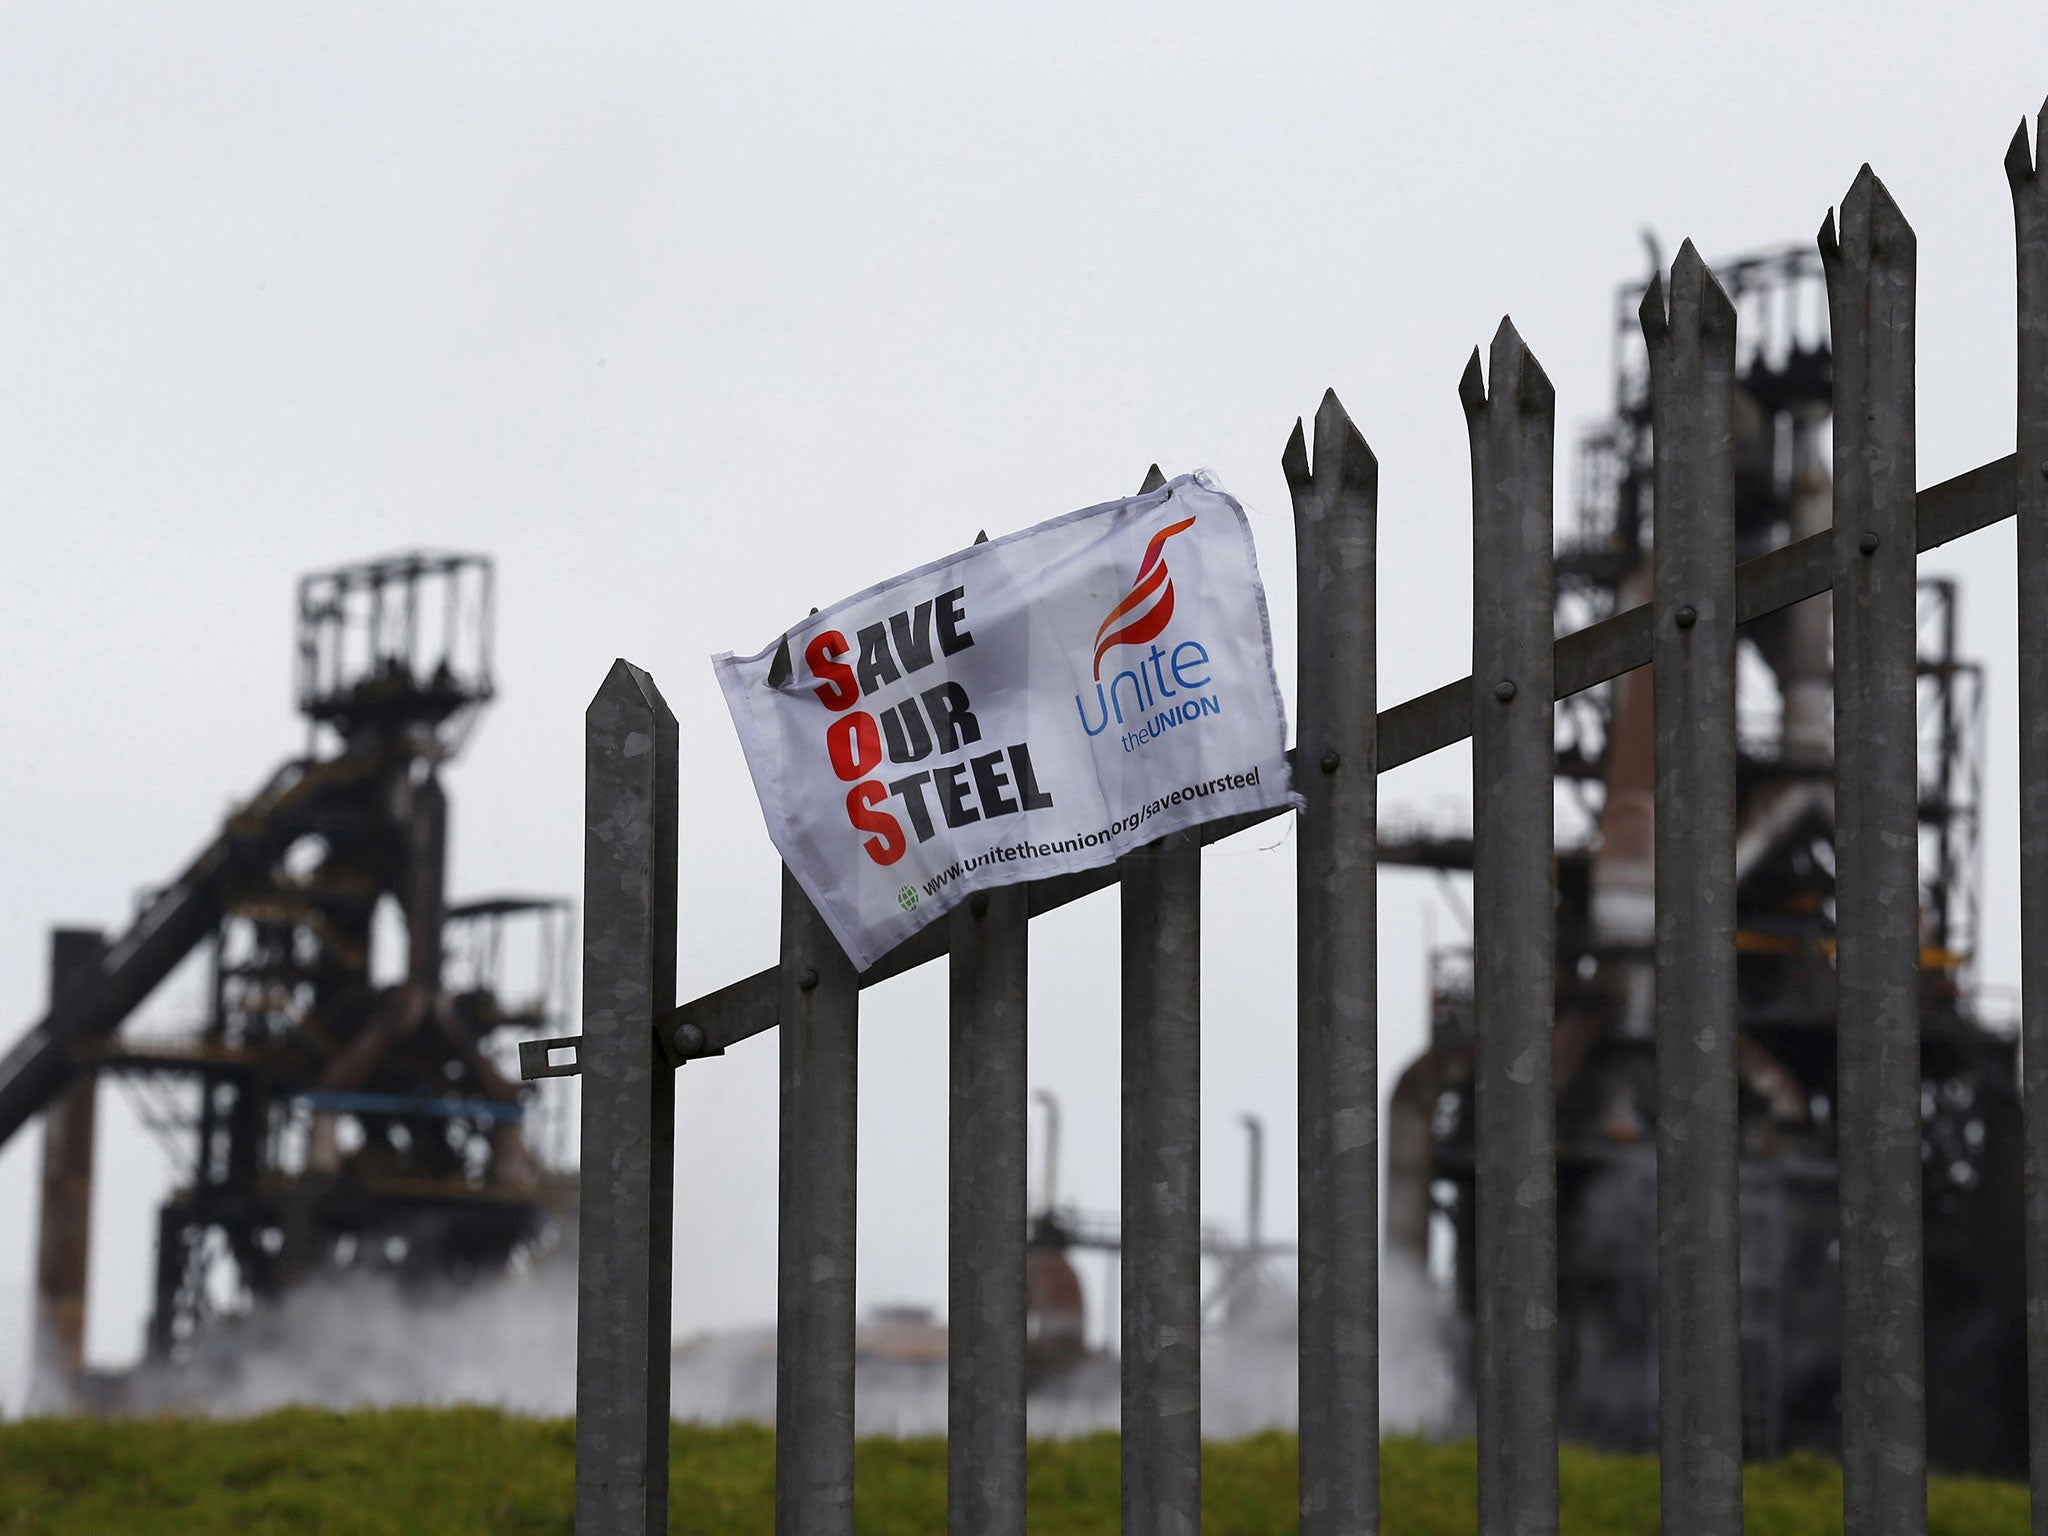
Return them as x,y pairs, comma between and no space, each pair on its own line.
695,318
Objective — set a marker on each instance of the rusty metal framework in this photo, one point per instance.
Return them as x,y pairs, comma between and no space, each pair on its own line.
344,1099
1687,623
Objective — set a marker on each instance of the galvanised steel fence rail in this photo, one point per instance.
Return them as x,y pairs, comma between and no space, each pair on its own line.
634,1035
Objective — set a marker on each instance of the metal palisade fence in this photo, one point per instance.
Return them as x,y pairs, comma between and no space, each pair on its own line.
634,1035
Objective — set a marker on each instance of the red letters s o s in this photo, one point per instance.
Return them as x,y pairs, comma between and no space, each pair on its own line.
854,745
888,843
837,687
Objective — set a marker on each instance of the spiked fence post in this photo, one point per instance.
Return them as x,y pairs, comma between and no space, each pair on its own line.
628,1213
986,1303
1512,427
1162,1181
1336,867
1699,1327
1870,275
2029,179
819,1003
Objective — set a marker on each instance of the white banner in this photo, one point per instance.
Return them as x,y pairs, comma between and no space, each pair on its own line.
1042,703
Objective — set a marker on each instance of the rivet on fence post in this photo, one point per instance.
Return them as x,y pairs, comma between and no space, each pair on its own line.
807,979
1868,543
1504,691
1686,617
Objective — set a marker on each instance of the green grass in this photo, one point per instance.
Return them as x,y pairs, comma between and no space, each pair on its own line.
311,1473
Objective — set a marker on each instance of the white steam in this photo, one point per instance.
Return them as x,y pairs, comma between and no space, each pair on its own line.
361,1342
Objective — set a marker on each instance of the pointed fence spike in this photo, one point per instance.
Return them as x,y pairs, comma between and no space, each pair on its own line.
1330,416
1472,385
1651,313
1856,207
1294,460
1685,301
1341,451
1504,360
1873,232
1153,481
631,685
1889,229
981,537
1538,395
2019,159
1717,310
781,669
1829,240
1361,464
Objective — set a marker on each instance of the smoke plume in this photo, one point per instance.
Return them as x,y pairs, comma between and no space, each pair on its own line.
359,1341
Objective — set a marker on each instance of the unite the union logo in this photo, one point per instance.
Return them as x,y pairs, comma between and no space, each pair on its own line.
1164,687
1147,610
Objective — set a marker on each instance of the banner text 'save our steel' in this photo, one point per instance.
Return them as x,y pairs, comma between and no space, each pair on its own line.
1041,703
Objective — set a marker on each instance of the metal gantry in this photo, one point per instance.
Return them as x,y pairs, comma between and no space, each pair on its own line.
329,1111
1699,598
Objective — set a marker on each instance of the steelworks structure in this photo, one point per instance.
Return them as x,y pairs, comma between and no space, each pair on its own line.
337,1106
1787,1047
